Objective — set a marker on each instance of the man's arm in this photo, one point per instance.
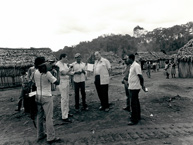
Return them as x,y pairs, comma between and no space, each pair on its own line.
108,65
141,81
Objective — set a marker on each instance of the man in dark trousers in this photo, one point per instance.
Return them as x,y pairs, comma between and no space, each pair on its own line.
126,85
78,68
135,81
102,68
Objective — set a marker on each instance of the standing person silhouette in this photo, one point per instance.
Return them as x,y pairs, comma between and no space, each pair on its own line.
102,69
136,82
64,87
43,80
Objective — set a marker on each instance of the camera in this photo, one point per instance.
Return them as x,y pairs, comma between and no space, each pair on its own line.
47,66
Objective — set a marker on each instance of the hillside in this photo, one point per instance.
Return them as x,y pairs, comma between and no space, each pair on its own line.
160,39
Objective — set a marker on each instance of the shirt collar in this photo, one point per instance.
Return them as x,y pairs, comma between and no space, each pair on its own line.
133,64
100,60
78,63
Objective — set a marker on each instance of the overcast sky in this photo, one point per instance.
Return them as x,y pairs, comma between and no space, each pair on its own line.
59,23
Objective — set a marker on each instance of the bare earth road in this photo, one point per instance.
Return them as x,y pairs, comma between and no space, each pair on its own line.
166,116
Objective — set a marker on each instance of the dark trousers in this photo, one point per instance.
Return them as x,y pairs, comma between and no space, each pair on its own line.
80,86
102,91
128,103
135,106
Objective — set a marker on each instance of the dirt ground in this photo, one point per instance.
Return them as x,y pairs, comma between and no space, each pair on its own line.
166,111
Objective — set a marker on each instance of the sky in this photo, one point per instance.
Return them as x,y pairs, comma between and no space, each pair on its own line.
59,23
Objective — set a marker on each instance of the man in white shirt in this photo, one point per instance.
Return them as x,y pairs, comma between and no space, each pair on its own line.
65,71
102,69
135,81
79,81
43,80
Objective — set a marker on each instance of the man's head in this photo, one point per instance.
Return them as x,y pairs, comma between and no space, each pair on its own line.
78,57
126,59
38,61
97,55
63,57
131,58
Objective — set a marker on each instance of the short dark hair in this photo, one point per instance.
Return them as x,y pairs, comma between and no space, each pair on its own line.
132,56
62,55
38,61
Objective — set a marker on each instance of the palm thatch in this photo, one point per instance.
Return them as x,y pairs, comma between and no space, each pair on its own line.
186,52
185,60
12,61
146,56
159,57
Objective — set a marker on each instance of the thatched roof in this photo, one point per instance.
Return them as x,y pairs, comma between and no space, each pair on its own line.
23,57
185,53
145,56
151,56
160,55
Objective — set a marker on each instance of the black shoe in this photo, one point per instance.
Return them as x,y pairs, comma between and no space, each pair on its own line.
77,110
132,123
57,139
67,120
101,108
127,109
106,109
70,115
85,108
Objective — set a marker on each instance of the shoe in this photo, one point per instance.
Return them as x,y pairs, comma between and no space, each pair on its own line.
101,108
54,140
67,120
17,109
106,110
132,123
44,136
70,115
85,108
127,109
77,110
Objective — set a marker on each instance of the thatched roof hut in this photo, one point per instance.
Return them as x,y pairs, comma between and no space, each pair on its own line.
159,57
185,60
145,56
13,60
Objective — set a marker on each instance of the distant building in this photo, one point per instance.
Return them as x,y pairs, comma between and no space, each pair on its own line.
185,60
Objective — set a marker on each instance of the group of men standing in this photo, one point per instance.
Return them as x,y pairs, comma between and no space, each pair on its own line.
101,68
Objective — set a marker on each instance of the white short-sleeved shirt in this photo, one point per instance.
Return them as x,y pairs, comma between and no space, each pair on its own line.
133,80
76,68
43,83
63,67
101,68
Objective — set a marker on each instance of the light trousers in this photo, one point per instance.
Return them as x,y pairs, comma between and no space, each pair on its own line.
64,90
45,107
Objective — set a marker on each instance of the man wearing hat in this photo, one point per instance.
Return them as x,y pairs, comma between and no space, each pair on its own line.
78,68
43,80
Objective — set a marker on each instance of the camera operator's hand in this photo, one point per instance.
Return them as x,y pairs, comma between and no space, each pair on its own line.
78,72
83,71
56,68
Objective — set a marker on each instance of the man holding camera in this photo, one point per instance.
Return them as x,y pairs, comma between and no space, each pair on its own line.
65,71
43,80
79,81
